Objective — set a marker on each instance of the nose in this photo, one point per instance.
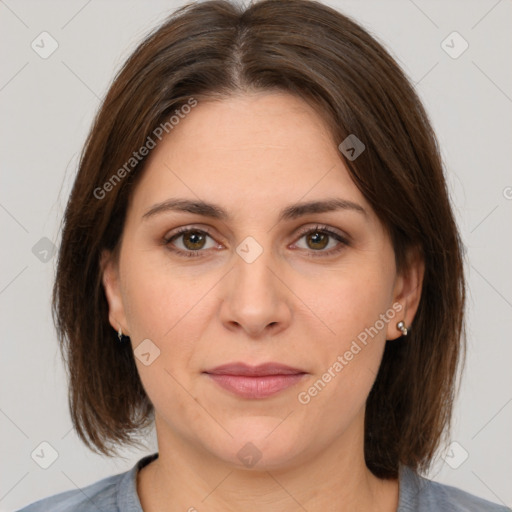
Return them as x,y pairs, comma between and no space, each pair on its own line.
255,299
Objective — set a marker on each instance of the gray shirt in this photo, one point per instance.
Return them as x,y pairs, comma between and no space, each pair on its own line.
118,493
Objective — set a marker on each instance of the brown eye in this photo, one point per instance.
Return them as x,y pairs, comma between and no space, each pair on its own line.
194,240
317,240
321,241
190,242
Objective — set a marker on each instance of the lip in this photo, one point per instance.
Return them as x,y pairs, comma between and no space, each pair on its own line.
261,370
254,382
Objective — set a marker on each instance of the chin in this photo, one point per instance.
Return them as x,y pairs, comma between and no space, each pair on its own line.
259,444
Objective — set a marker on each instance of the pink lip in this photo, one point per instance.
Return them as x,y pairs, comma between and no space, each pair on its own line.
255,381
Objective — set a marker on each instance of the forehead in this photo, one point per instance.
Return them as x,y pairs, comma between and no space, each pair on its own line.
257,150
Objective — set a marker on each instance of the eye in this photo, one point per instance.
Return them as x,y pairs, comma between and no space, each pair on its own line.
322,240
189,241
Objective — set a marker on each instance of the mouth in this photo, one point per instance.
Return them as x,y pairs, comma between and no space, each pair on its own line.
255,382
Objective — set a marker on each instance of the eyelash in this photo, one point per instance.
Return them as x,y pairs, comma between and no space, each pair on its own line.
343,242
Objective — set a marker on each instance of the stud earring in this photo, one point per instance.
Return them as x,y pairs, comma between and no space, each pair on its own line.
401,326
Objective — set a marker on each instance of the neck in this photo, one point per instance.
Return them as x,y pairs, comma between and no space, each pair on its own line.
184,477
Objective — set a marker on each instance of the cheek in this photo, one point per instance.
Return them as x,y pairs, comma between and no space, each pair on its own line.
356,306
166,309
351,302
171,309
157,297
348,360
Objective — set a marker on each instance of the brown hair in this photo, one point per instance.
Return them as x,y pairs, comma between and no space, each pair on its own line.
215,48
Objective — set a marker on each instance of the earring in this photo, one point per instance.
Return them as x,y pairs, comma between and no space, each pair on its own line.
121,336
401,326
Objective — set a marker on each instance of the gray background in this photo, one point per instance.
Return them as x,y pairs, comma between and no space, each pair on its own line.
47,106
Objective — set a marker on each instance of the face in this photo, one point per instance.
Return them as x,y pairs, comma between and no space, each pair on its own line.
256,279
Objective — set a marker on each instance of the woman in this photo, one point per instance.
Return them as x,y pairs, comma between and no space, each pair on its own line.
259,255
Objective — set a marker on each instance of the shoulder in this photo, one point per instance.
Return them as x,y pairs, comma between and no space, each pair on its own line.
100,495
420,494
117,493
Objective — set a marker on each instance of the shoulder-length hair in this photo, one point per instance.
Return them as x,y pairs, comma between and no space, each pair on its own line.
216,49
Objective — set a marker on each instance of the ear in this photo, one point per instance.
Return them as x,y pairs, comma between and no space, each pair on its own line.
110,279
407,292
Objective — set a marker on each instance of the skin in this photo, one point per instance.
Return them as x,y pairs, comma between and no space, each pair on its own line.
253,155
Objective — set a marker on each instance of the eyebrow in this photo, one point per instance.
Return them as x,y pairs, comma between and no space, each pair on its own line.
291,212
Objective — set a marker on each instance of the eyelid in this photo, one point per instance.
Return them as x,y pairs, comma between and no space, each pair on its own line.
167,241
323,227
185,229
300,232
342,238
